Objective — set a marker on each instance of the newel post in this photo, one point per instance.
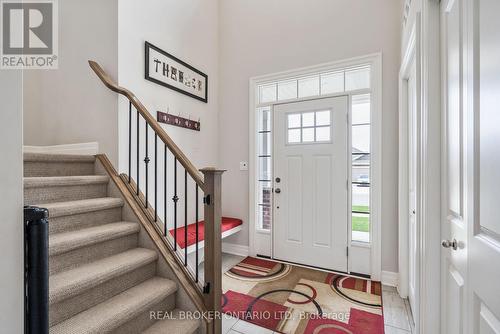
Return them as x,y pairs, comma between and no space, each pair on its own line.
213,244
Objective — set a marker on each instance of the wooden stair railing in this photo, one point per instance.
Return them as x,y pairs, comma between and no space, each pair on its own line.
209,292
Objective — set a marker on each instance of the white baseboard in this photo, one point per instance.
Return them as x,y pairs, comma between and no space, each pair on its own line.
390,278
234,249
91,148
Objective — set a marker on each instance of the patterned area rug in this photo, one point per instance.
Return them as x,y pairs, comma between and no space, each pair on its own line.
292,299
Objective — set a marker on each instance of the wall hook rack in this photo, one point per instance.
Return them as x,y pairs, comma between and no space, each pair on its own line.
179,121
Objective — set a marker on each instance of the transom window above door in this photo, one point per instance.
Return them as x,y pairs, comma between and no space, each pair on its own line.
309,127
318,84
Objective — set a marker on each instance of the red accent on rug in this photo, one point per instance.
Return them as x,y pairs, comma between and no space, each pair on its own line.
227,224
360,322
357,284
264,313
252,267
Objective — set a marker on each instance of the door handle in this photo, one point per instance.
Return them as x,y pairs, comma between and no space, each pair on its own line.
277,190
450,244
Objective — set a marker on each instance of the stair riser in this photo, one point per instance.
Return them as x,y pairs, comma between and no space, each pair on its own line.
84,220
40,195
47,168
144,320
77,257
67,308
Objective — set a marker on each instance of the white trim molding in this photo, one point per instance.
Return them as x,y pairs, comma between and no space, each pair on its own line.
430,262
91,148
390,278
427,52
412,53
234,249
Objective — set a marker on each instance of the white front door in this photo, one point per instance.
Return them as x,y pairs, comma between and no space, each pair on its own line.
311,174
471,228
412,186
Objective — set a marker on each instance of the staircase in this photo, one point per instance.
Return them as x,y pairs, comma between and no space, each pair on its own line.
103,279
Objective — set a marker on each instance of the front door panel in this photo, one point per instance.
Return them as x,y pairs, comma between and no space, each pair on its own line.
311,207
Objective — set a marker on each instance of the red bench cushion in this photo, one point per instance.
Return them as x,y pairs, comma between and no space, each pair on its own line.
227,224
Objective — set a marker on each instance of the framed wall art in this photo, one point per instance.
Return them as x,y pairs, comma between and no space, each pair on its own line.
167,70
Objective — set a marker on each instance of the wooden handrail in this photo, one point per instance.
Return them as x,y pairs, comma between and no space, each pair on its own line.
176,151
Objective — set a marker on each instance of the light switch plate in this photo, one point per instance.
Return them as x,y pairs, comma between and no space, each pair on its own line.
243,165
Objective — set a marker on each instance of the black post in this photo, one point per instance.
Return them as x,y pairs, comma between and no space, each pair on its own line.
129,141
185,217
196,220
165,190
36,270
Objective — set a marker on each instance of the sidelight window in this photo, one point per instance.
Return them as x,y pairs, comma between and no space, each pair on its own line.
360,174
265,168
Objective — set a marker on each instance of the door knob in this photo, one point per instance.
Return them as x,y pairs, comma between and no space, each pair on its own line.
447,244
277,190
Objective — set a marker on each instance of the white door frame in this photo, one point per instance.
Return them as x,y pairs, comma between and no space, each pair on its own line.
430,170
412,54
373,249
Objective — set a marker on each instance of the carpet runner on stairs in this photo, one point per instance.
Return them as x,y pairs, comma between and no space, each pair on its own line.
101,279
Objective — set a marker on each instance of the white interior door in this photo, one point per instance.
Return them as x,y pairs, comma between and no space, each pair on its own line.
471,258
311,174
412,186
483,128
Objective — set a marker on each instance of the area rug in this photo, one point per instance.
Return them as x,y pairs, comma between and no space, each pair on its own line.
291,299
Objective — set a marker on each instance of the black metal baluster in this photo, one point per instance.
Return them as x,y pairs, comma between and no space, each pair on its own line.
196,195
156,177
165,190
129,141
146,162
175,199
137,157
185,217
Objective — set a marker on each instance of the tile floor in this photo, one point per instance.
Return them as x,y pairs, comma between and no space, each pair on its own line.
397,315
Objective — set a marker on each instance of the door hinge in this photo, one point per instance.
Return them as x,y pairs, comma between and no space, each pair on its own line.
347,251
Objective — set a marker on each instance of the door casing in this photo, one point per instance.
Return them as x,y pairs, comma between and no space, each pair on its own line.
260,241
411,58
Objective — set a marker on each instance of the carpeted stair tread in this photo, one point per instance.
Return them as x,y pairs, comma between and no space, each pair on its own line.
57,181
59,209
75,281
116,311
173,325
66,241
45,157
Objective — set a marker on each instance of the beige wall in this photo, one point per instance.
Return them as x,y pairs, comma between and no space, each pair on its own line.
11,202
189,31
70,105
261,36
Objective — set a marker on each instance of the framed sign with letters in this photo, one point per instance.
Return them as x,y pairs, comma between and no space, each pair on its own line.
166,70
